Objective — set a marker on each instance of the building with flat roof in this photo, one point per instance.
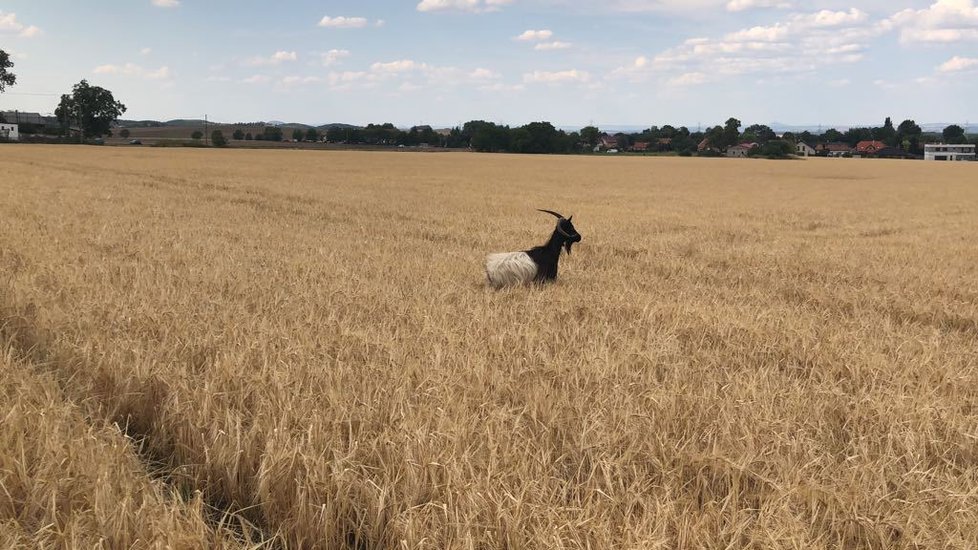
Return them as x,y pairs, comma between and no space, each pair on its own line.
9,132
949,151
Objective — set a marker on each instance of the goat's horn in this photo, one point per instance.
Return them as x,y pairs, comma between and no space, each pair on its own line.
551,212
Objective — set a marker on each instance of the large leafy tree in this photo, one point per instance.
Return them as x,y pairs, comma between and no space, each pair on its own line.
92,108
590,135
760,133
731,132
908,135
953,134
7,78
887,134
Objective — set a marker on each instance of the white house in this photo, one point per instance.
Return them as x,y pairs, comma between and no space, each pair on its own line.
9,132
942,151
803,149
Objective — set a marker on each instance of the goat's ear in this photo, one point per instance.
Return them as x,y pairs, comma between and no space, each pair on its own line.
571,217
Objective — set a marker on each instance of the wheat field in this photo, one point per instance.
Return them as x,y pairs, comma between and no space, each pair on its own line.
295,349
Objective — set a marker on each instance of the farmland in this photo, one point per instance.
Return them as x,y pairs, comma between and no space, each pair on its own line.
205,348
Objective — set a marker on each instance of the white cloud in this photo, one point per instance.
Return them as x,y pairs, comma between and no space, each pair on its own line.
958,64
342,22
800,43
473,6
10,25
499,87
741,5
276,58
256,79
547,77
687,79
399,66
534,36
146,51
944,21
166,3
555,45
333,56
131,69
483,74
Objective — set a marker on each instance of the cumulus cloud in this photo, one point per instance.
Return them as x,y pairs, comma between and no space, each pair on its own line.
555,45
741,5
333,56
943,22
166,3
555,77
483,74
688,79
410,75
256,79
132,69
276,58
798,43
341,22
958,64
10,25
473,6
534,36
399,66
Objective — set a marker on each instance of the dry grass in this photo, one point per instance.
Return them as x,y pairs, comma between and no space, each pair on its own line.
739,354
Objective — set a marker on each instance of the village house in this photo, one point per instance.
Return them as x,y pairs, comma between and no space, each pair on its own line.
803,149
740,150
640,146
869,147
9,132
834,149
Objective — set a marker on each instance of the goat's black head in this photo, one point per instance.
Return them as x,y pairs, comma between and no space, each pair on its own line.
566,229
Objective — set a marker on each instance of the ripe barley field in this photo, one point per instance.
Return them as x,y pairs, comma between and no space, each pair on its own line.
296,349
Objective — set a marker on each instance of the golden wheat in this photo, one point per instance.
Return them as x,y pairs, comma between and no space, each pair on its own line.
740,353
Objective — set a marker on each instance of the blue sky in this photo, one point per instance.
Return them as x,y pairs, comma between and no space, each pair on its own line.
441,62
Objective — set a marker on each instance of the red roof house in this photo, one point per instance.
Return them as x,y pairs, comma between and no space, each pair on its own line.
869,147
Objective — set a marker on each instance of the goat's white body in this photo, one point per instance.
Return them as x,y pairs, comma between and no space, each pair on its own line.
510,268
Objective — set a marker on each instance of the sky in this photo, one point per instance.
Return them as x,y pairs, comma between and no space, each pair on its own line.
444,62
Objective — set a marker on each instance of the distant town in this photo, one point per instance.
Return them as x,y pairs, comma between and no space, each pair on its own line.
906,140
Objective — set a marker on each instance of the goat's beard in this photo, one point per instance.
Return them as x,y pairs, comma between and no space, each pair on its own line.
567,246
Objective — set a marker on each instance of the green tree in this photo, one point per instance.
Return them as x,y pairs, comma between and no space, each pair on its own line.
248,136
197,135
124,133
7,78
832,135
590,135
908,135
271,133
218,139
91,107
788,136
731,133
953,134
238,134
759,133
887,134
297,134
774,149
312,134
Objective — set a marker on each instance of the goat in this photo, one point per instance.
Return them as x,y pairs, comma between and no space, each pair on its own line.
538,264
